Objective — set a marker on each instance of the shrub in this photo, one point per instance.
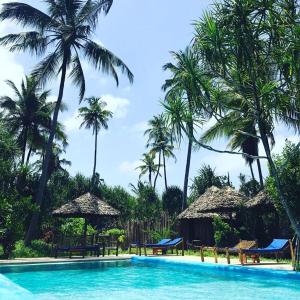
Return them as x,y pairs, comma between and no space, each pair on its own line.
22,251
74,227
158,235
117,233
38,248
41,248
224,234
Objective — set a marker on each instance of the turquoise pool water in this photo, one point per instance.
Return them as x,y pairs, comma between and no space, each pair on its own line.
146,279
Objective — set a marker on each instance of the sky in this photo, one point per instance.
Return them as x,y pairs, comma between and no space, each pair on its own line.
142,33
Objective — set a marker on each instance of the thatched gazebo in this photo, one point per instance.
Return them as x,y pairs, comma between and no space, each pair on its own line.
87,206
196,220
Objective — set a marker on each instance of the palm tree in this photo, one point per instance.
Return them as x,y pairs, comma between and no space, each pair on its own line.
95,117
148,166
240,49
65,30
27,113
160,141
233,126
187,82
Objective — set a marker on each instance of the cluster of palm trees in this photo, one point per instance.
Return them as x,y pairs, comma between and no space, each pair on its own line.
27,115
242,72
62,35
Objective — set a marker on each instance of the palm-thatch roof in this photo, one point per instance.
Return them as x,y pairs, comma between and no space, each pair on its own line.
213,202
84,206
262,199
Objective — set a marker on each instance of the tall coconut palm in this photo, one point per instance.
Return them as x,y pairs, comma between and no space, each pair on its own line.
160,141
233,126
187,81
95,116
65,30
27,113
148,166
166,149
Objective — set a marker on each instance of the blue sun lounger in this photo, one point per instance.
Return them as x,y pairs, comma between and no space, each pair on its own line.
169,245
277,246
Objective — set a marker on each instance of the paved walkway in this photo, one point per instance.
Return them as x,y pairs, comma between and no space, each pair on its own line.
234,261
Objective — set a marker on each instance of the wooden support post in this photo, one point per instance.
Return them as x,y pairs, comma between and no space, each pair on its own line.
276,256
216,254
241,257
145,251
201,253
292,255
182,247
227,256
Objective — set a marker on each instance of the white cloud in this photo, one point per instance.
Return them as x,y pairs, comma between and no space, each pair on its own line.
73,122
129,167
140,127
119,106
10,69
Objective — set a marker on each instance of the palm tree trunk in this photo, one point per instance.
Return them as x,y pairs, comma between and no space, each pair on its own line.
28,156
165,170
261,180
95,157
32,230
150,177
252,173
24,146
186,175
294,221
155,179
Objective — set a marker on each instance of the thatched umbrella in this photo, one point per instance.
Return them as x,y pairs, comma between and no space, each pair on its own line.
87,206
213,202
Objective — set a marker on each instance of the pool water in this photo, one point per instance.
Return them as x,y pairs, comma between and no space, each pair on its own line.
147,280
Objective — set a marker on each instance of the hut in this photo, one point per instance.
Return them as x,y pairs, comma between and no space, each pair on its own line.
196,222
262,218
89,207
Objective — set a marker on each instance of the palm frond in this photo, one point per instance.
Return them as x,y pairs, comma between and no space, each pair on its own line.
105,60
47,68
25,15
92,9
32,41
78,76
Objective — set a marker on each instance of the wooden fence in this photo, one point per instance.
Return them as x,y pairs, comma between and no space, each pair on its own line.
142,231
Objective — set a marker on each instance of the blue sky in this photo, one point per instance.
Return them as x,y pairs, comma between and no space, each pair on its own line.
141,33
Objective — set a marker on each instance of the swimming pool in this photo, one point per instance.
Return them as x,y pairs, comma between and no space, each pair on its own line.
144,278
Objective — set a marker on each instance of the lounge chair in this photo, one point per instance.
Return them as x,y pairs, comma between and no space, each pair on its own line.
156,247
163,247
243,244
70,245
277,246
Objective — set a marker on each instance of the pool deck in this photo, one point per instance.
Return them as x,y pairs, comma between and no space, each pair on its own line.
188,258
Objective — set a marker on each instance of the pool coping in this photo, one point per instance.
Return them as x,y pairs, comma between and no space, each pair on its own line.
51,260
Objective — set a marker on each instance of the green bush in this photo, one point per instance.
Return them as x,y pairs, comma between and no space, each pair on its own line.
22,251
224,234
41,247
38,248
74,227
158,235
117,233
